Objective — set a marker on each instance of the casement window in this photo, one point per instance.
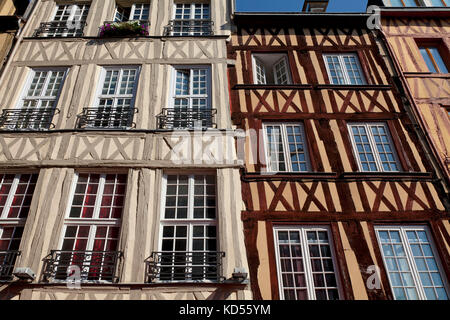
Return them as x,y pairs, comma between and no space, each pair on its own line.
92,226
305,263
373,147
271,69
191,19
414,270
286,147
116,96
39,100
344,69
68,21
188,242
191,101
433,59
16,192
138,11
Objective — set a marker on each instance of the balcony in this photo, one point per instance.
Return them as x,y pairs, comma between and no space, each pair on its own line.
7,262
94,266
27,119
60,29
186,118
107,118
133,28
189,27
185,266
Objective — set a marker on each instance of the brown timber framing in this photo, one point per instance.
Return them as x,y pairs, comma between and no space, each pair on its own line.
334,193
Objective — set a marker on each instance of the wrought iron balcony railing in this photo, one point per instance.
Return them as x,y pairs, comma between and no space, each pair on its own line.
108,29
27,118
60,29
107,118
186,118
7,262
185,266
189,27
91,266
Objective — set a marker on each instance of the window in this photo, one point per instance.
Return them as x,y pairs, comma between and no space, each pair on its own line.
191,100
37,106
115,99
68,21
405,3
271,69
305,263
344,69
373,147
92,226
16,192
286,149
433,59
138,11
418,3
188,228
191,19
411,262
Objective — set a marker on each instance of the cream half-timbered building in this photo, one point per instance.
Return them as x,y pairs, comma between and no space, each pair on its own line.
118,164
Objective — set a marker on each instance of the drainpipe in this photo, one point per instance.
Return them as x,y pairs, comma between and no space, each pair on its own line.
428,144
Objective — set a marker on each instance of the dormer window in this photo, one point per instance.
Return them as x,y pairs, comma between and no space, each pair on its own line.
271,69
138,11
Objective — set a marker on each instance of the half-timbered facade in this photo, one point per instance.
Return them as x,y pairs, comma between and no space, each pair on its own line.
336,184
417,37
118,170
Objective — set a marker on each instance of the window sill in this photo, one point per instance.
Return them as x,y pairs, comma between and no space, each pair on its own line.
333,176
426,75
311,87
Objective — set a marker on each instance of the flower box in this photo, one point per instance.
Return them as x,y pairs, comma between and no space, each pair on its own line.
124,29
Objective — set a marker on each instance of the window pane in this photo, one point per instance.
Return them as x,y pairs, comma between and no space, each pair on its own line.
400,272
293,275
275,149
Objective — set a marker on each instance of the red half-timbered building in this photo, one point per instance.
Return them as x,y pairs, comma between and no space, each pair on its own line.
338,191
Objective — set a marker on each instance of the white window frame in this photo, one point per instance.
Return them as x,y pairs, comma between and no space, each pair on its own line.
256,62
26,87
101,81
4,220
192,12
372,143
410,257
191,96
189,221
95,221
73,10
132,10
285,144
344,68
306,257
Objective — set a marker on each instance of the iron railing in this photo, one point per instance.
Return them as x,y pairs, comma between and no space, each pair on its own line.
7,262
186,118
185,266
89,266
107,118
60,29
189,27
102,30
27,118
